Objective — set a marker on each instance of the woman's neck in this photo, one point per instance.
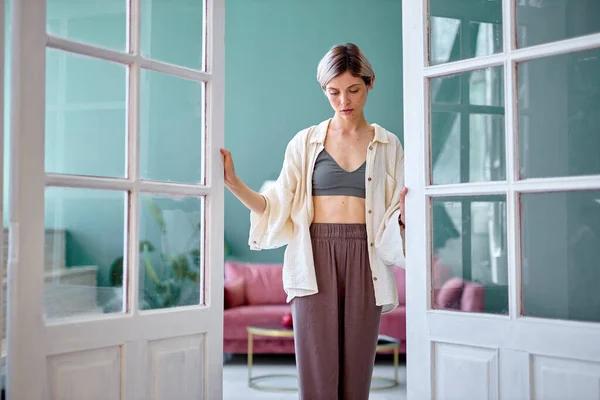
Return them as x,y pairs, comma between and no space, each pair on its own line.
349,125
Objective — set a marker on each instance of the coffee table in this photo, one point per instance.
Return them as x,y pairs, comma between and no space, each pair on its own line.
384,343
273,330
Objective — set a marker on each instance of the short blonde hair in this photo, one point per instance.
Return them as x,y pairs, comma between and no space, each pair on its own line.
342,58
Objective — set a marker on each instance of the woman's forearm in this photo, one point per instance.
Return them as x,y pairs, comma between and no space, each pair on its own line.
251,199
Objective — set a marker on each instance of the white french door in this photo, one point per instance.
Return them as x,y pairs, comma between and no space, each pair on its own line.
501,105
116,220
3,193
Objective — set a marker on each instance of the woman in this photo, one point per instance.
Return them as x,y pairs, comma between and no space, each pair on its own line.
338,205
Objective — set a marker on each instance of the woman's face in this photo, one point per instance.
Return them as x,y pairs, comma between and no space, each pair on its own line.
347,95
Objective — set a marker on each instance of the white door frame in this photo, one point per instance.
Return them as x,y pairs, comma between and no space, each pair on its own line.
31,341
2,183
508,341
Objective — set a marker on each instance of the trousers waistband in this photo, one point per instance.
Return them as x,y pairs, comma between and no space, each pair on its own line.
338,231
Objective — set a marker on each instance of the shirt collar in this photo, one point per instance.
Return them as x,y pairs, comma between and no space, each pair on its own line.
319,136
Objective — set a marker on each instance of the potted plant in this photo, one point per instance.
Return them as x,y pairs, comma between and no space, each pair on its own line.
171,279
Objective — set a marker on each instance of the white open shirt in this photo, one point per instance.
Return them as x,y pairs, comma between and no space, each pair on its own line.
289,213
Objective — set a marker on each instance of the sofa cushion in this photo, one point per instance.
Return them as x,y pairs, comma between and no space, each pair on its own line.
234,292
263,283
237,320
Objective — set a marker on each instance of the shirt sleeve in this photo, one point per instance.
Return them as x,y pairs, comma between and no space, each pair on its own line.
389,241
274,228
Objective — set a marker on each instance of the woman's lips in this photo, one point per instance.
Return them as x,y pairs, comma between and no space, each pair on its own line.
347,111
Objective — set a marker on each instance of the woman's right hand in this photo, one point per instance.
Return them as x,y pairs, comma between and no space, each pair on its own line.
229,174
254,201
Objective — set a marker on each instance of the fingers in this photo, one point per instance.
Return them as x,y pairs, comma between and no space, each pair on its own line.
226,154
402,200
401,218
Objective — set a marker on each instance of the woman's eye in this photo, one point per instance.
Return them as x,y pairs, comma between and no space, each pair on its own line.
354,91
333,94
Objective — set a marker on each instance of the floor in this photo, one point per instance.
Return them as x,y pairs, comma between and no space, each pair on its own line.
235,378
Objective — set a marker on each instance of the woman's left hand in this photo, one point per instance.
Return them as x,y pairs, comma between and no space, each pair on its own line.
402,204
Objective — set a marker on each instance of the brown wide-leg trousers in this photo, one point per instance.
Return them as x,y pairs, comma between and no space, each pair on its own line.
335,330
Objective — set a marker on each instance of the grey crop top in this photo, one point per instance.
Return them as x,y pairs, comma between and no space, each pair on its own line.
329,179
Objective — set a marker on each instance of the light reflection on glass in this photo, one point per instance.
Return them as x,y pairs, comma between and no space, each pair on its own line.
467,127
560,244
559,115
470,269
542,22
459,32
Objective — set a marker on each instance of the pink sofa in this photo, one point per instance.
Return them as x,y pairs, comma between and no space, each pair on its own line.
254,295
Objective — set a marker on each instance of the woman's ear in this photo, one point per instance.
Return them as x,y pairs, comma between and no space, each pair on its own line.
372,82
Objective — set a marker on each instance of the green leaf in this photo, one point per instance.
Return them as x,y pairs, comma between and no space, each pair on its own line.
161,288
174,296
146,246
149,270
116,272
194,276
195,254
156,212
168,296
180,266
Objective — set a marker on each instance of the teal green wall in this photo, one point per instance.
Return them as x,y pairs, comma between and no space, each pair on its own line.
272,51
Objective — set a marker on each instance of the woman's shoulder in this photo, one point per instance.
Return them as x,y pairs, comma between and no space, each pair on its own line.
386,136
307,135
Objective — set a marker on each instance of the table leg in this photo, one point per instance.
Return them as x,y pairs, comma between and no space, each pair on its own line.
250,350
396,363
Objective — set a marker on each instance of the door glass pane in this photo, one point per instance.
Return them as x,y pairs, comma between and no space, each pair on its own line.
173,32
84,240
458,31
100,23
559,115
548,21
470,270
467,127
560,255
171,251
171,123
86,115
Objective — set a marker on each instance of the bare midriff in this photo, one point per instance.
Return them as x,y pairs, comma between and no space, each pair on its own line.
339,210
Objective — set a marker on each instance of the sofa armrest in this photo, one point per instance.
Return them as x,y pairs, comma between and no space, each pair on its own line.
449,296
472,298
234,293
458,294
